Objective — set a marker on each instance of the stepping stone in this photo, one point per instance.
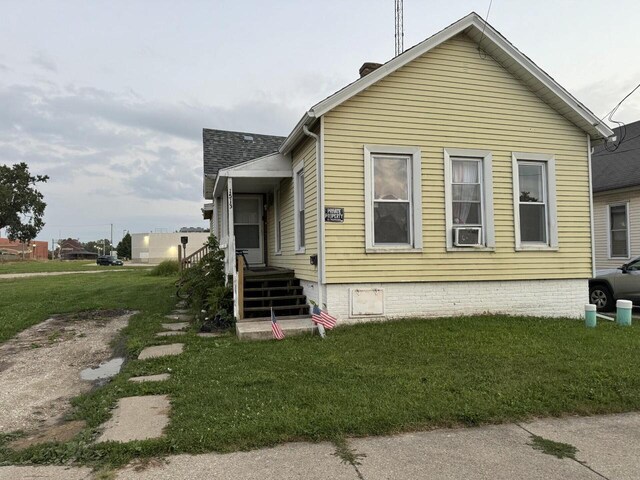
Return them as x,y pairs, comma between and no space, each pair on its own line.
169,334
179,317
181,312
161,351
150,378
174,327
181,304
209,334
137,418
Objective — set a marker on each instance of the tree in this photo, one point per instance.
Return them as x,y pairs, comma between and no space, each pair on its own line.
21,204
124,247
102,246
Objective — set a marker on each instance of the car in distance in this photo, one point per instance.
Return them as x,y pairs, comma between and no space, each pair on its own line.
108,260
622,283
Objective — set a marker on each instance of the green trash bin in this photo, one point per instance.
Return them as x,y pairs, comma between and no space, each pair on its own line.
623,312
590,319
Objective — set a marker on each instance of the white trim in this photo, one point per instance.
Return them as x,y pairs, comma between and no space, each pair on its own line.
552,211
626,205
415,197
488,234
296,208
321,235
277,217
214,218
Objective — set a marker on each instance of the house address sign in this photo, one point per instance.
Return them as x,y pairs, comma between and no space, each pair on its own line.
334,215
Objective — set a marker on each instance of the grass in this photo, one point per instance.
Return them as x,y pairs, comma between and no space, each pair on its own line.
51,266
25,302
370,379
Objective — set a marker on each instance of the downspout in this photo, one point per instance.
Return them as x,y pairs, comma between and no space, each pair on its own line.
319,203
593,245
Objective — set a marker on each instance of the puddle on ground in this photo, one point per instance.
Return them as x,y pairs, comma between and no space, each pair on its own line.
105,370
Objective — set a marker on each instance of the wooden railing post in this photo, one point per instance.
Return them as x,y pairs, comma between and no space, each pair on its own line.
240,260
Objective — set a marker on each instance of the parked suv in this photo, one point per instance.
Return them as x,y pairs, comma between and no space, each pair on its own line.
615,284
108,260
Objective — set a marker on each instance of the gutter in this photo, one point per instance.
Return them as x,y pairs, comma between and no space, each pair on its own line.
320,205
593,244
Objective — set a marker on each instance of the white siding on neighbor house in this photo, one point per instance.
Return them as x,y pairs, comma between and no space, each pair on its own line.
601,202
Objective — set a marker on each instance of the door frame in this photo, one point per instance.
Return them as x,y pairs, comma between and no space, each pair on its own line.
261,223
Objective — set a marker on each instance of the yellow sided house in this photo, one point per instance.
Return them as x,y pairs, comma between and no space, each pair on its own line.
453,179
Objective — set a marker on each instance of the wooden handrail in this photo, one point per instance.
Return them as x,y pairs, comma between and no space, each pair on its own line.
194,258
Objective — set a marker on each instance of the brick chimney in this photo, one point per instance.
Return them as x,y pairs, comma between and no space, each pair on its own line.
368,67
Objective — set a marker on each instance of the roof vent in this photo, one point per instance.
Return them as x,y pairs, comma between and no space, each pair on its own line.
368,67
249,138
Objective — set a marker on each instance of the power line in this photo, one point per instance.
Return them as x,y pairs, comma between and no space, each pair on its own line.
481,51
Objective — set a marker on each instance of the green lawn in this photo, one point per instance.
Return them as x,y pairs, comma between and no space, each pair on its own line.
27,301
362,380
52,266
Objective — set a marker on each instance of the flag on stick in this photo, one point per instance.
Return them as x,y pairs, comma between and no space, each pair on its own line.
278,334
323,318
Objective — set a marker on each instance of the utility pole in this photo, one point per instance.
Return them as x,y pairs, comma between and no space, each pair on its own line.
399,27
111,238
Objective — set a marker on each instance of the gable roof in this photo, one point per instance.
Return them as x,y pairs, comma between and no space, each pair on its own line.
619,169
495,45
222,148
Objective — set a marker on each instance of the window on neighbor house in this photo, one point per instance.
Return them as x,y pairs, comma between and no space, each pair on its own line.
299,208
392,198
278,220
468,178
535,201
618,231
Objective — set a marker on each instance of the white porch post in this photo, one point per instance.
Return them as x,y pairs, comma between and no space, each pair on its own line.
231,253
214,219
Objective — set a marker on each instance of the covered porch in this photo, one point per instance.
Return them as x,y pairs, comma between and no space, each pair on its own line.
242,195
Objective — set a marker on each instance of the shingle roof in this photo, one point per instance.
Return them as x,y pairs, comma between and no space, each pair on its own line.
224,149
619,169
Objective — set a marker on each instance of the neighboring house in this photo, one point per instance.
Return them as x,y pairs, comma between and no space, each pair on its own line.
72,249
34,250
616,199
453,179
156,247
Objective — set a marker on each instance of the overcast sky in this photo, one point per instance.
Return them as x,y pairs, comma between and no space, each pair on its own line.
109,98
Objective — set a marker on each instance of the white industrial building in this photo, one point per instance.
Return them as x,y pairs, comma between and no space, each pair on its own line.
156,247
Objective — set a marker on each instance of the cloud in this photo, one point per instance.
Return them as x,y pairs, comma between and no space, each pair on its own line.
117,154
42,60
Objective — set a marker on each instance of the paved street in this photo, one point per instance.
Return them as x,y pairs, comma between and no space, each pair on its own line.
608,447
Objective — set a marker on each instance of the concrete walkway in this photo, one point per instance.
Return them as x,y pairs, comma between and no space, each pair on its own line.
608,447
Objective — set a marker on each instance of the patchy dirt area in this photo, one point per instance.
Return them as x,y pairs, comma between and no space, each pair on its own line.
40,367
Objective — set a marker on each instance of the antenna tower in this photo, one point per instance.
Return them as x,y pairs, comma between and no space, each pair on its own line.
399,28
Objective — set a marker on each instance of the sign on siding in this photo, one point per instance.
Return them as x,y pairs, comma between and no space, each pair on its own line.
334,215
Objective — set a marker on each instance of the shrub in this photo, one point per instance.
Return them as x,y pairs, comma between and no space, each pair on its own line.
205,282
165,268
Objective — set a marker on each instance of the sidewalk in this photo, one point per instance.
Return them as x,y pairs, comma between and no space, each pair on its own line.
608,447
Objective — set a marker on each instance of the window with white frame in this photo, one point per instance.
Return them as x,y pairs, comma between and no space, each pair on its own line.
618,231
468,198
299,207
534,201
278,220
392,198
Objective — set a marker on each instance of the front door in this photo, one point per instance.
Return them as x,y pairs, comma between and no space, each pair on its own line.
247,227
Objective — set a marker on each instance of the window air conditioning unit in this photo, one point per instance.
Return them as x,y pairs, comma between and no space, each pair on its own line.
468,237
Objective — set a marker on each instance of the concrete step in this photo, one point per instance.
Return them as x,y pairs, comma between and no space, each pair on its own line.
268,318
296,288
262,330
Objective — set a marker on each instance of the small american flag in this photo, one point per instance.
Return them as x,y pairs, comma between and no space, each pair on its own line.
278,334
323,318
